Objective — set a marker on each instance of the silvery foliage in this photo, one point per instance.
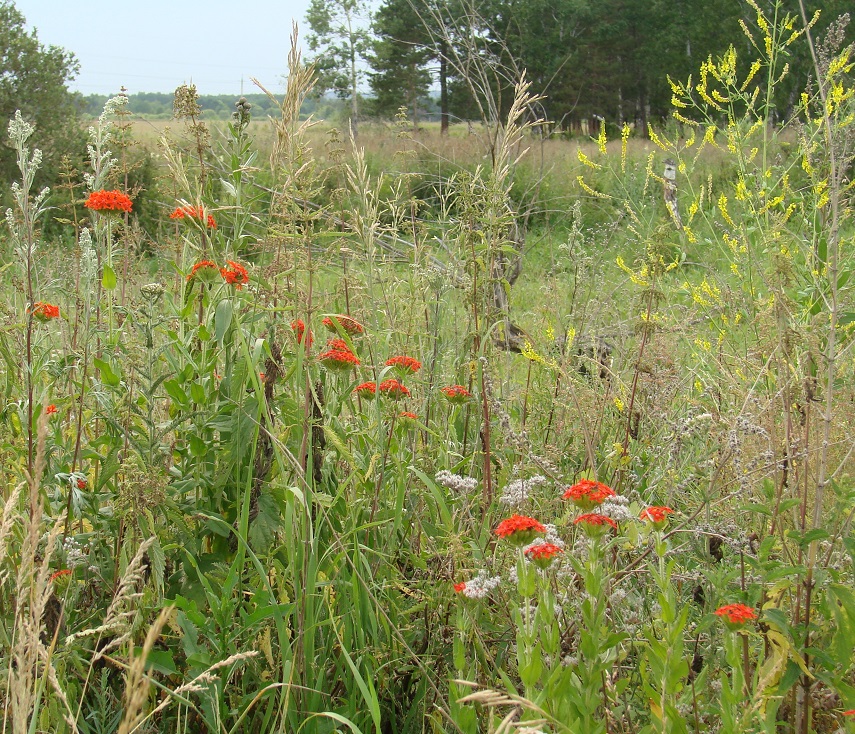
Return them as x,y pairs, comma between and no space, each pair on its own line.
19,132
100,135
88,261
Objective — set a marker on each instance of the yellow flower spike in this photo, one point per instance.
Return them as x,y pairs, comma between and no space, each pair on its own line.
602,139
589,190
624,136
585,161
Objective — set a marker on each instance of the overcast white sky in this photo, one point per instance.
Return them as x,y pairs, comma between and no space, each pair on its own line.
155,45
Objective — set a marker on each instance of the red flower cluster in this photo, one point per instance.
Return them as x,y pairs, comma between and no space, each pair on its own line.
81,483
543,554
736,614
519,529
59,574
108,201
44,311
658,516
456,394
299,328
235,274
345,323
339,344
407,419
462,585
593,521
404,364
394,389
367,390
51,409
587,494
194,213
338,359
205,269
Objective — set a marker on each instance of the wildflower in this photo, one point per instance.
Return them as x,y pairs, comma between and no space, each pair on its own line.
456,394
299,328
108,201
262,376
405,365
735,615
59,574
455,481
587,494
519,529
367,390
345,323
44,312
204,270
542,554
407,419
394,389
478,587
81,483
194,213
337,359
656,516
339,345
51,409
850,712
517,491
594,525
235,274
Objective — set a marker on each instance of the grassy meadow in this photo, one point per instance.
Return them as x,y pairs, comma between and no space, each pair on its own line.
424,434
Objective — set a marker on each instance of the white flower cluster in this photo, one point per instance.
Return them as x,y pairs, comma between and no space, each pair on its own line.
75,555
455,481
517,492
617,508
481,585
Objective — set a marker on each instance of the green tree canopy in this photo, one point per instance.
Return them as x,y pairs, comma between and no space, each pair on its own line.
34,79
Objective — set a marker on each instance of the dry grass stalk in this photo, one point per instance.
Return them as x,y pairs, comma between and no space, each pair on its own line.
137,682
31,665
491,698
121,610
7,522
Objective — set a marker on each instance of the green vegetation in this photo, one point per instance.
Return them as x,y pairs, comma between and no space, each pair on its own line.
478,432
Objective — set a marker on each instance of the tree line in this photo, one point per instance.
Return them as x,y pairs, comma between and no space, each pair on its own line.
608,60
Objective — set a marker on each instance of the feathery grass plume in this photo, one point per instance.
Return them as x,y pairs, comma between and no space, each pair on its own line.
31,659
136,681
7,522
491,699
120,611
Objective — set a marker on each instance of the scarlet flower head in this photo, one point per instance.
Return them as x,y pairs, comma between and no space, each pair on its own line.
594,525
735,615
394,389
519,529
51,409
337,359
367,390
656,516
204,270
108,201
404,365
299,328
850,712
194,212
462,585
407,419
456,394
235,274
541,555
59,574
345,323
44,312
81,483
339,344
587,494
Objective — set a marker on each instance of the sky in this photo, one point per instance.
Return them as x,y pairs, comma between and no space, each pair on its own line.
156,45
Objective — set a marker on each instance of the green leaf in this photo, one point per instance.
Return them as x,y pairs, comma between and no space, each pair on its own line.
222,319
108,376
108,280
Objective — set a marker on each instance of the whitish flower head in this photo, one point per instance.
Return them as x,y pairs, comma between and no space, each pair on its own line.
617,511
19,129
455,481
481,585
517,491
